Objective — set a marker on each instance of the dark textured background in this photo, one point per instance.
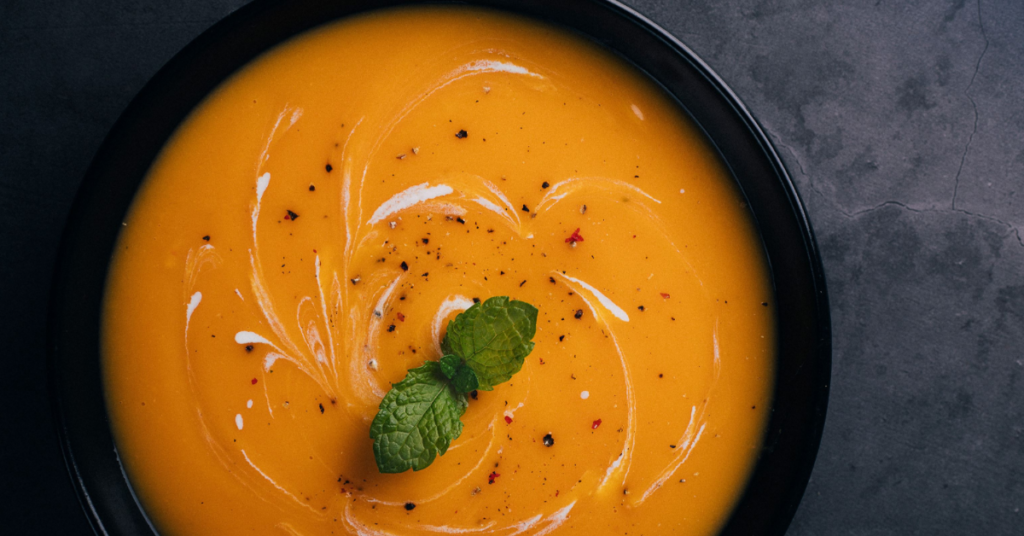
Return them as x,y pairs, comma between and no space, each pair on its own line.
901,122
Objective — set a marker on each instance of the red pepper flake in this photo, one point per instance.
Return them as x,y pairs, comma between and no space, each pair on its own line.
595,425
556,493
542,361
254,380
291,215
575,237
665,295
491,477
508,420
400,317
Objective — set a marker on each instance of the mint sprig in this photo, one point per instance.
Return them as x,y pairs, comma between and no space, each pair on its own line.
420,416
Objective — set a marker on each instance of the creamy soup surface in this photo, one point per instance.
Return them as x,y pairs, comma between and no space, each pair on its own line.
306,235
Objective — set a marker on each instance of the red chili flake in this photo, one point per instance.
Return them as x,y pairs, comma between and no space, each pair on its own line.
291,215
665,295
575,237
508,420
314,251
287,217
254,380
595,425
491,477
401,317
542,361
556,493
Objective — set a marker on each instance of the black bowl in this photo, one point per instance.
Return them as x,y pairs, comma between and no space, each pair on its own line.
804,330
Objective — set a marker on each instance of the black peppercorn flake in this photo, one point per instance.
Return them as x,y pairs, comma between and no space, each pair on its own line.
461,134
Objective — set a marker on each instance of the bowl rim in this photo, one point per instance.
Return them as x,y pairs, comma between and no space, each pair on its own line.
779,476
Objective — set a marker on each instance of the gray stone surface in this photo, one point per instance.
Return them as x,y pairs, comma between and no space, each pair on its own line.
901,122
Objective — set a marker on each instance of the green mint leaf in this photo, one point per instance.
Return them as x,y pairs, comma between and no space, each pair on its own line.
493,338
449,363
465,379
417,420
420,416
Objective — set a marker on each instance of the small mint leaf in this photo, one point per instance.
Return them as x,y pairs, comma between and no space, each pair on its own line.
465,379
493,338
449,363
417,420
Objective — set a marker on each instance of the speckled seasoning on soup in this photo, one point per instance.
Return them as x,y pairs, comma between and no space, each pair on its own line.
306,235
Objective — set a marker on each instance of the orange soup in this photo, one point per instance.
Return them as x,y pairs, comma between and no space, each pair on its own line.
306,235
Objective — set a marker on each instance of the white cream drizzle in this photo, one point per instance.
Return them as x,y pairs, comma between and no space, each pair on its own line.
608,304
492,66
407,198
197,298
